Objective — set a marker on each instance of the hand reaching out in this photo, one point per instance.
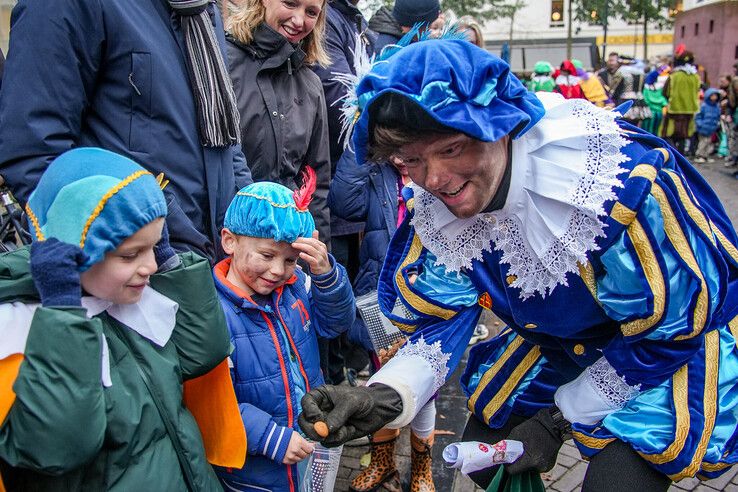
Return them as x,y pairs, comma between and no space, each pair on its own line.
298,449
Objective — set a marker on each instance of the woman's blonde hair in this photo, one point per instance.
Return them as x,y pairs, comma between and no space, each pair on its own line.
468,22
246,17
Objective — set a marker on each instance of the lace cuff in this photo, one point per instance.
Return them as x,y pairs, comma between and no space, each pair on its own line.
594,394
612,388
416,372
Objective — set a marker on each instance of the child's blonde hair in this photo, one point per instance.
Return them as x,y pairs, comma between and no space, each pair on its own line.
245,18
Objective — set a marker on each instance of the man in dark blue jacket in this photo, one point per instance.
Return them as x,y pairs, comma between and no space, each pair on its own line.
115,75
344,23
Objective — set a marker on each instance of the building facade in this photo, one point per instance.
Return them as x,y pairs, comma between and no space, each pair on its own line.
539,32
709,29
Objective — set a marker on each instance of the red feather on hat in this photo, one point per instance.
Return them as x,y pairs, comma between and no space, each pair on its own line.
304,195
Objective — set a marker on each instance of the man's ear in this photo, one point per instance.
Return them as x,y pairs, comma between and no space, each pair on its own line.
228,240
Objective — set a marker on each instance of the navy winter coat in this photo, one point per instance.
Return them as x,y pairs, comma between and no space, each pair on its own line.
92,73
267,342
707,120
367,193
344,23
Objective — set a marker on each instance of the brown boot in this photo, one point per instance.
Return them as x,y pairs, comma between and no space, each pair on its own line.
381,474
421,478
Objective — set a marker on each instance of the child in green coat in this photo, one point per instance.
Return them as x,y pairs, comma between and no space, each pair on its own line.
100,324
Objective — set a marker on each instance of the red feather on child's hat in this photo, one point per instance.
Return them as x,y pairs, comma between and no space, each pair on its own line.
304,195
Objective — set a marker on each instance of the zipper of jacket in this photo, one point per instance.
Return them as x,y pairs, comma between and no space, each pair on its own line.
286,383
292,344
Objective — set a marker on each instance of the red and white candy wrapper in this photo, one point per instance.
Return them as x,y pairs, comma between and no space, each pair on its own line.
471,456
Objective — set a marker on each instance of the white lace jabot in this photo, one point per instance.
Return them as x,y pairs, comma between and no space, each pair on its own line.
563,171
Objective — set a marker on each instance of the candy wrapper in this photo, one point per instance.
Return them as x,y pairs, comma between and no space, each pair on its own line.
471,456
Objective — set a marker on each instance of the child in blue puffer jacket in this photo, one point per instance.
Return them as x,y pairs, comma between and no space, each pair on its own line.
275,311
707,122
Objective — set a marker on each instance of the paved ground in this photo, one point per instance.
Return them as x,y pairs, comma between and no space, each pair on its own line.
568,473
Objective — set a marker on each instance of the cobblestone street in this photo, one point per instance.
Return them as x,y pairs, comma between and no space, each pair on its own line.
568,474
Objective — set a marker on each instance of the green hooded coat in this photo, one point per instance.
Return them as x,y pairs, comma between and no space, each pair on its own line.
66,431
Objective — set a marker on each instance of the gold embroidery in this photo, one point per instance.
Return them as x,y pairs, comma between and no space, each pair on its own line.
416,301
622,214
591,442
709,403
725,242
511,383
34,220
586,271
104,200
644,171
578,349
492,371
654,277
681,244
679,390
695,213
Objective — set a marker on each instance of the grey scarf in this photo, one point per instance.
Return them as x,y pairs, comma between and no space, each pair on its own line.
217,113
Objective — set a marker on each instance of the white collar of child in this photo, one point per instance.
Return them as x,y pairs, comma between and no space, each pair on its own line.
153,317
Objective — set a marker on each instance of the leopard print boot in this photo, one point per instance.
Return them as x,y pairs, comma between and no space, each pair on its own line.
421,478
381,474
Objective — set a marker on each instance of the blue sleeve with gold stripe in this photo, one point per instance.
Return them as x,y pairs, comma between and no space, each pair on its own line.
662,276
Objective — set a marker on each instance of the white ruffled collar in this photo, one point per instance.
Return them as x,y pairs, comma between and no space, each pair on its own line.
563,171
153,317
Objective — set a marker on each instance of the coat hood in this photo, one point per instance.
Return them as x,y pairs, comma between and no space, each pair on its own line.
384,22
710,92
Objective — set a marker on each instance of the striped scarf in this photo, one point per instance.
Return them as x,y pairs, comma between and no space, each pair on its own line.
217,113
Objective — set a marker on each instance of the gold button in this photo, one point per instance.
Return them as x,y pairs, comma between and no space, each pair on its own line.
579,349
531,326
510,279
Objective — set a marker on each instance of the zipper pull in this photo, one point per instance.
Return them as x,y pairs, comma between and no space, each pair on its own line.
289,66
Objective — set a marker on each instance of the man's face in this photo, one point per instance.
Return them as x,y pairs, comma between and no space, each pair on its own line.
459,170
613,63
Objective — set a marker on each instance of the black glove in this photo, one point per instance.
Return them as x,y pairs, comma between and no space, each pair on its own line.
542,436
349,412
55,268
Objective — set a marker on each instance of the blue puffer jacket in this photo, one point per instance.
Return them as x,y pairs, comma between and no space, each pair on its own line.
272,346
708,119
366,193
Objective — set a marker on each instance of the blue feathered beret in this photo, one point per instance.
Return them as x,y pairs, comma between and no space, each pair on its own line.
458,84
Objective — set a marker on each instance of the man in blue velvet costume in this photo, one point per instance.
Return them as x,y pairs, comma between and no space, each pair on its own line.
607,255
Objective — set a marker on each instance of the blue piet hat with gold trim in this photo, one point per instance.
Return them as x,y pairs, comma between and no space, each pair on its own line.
270,210
446,84
95,199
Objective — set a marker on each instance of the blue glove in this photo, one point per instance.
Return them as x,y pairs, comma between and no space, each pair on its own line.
163,251
55,268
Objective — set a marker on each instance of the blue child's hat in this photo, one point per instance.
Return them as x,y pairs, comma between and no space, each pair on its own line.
270,210
459,85
95,199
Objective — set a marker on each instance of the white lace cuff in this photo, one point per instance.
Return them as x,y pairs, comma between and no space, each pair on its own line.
416,372
594,394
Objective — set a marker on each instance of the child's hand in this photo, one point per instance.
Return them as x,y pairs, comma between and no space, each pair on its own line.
314,253
298,449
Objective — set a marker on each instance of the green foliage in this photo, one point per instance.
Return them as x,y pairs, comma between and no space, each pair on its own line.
484,9
600,11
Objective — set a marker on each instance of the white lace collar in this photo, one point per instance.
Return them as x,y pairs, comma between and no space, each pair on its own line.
153,316
563,171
